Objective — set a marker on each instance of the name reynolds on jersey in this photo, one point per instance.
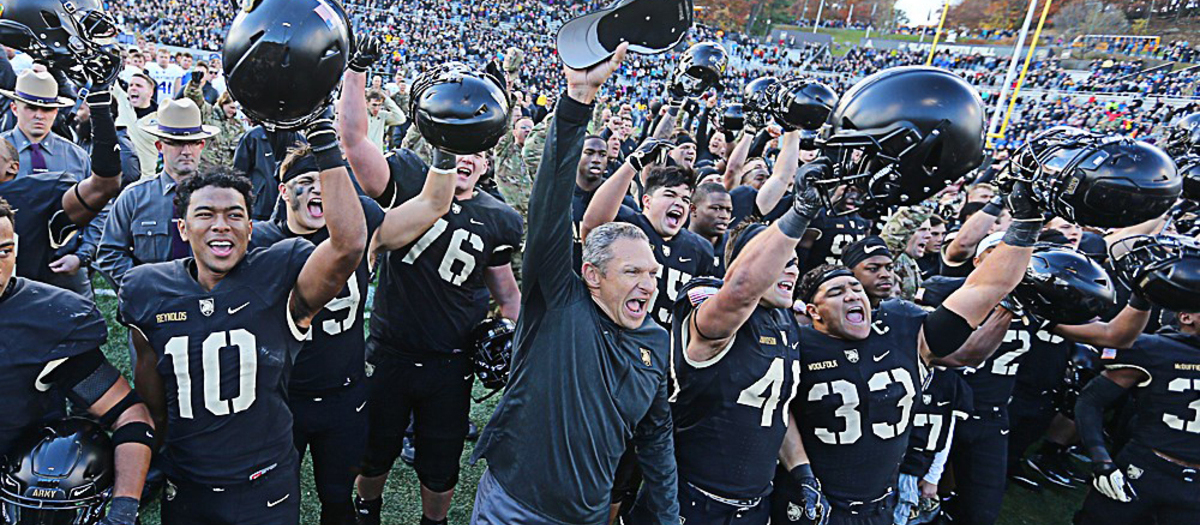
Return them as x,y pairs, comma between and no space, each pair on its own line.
171,317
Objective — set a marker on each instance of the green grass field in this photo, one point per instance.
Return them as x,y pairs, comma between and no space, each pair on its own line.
402,503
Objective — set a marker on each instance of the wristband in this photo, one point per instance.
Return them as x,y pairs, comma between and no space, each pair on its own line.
994,207
1137,302
330,157
1023,233
802,473
123,510
443,160
792,224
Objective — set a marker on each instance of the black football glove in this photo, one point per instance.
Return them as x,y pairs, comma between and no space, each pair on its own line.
122,511
816,507
805,199
323,140
1023,203
365,54
1111,482
652,151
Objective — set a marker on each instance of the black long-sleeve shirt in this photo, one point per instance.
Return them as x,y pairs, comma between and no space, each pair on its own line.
581,386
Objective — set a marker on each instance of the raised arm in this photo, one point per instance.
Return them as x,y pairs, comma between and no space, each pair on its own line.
737,160
330,265
982,343
548,248
88,198
1120,332
367,161
408,221
776,185
607,201
962,247
1003,269
757,268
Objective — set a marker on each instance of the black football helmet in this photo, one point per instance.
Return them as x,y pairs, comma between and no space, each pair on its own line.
460,110
283,59
758,100
76,37
1183,136
1064,286
700,69
1084,366
900,136
59,475
1189,170
1096,180
803,104
734,117
1165,269
493,352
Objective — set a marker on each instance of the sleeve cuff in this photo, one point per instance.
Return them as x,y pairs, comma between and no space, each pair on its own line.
571,110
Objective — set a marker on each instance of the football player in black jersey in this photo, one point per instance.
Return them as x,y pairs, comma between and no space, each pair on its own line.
588,177
871,262
711,213
861,370
216,334
1154,478
943,402
428,302
665,206
830,235
735,366
50,353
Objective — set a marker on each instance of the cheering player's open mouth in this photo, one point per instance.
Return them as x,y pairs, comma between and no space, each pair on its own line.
674,219
315,209
856,315
221,248
786,286
464,174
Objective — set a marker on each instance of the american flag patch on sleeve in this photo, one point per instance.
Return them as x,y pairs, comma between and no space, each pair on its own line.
1109,353
699,294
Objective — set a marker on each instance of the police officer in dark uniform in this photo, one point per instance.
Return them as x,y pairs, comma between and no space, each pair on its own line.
216,334
735,359
429,301
50,353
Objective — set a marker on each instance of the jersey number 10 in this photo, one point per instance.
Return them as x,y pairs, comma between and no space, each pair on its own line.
247,347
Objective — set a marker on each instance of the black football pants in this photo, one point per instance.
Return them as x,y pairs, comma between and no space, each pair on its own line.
273,499
979,458
334,426
1167,493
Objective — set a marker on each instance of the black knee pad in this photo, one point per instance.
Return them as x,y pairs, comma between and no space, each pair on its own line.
375,467
439,483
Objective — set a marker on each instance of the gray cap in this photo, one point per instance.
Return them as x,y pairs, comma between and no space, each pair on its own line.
650,27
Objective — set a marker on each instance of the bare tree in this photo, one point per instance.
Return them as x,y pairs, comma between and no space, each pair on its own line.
1089,17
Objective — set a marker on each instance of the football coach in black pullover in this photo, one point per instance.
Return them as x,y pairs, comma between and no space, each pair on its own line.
590,367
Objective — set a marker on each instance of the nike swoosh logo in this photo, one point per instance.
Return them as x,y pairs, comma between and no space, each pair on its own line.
943,403
1004,432
875,248
360,407
238,309
880,357
475,222
685,259
272,504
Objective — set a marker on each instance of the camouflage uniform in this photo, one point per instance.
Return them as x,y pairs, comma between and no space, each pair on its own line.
218,150
896,233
